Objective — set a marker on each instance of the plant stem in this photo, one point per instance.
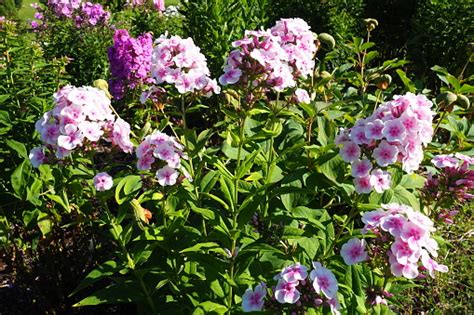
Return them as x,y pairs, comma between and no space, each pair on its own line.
147,294
235,210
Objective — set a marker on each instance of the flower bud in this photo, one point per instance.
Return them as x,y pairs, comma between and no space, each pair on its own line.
383,81
463,101
327,40
371,24
447,98
104,86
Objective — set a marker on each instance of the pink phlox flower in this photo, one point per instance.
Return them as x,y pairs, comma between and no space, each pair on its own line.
373,129
374,218
380,180
432,265
354,252
324,281
72,138
50,133
121,135
421,220
358,135
445,160
385,154
145,162
334,306
294,273
286,292
393,223
361,168
413,235
404,253
409,270
37,156
253,300
167,176
350,151
103,181
362,185
91,130
302,96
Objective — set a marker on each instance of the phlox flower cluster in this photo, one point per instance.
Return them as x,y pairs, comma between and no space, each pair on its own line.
91,14
130,62
453,185
407,233
164,152
273,58
80,117
159,5
82,13
180,63
297,287
395,133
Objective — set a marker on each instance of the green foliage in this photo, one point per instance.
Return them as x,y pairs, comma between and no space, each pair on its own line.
213,25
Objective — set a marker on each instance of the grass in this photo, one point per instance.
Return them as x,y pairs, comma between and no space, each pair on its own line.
26,11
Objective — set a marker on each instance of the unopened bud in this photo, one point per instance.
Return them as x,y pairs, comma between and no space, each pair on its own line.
463,101
383,81
446,98
103,85
327,40
371,24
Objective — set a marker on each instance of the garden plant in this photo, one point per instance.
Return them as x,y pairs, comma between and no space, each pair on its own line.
209,158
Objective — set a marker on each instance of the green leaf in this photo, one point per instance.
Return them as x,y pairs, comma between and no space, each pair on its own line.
18,147
125,292
126,187
205,213
405,197
19,178
44,223
406,81
209,307
32,192
63,202
107,269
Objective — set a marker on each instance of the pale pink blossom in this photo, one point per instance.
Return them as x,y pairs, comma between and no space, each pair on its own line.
413,235
432,265
72,138
444,160
121,135
385,154
361,168
302,96
354,252
404,253
286,292
380,180
350,151
324,281
373,129
253,300
294,273
362,185
37,156
167,176
103,181
393,223
91,130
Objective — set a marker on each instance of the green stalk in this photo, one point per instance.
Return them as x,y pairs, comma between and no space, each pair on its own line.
235,209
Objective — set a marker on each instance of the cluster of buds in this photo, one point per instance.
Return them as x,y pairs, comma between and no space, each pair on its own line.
395,133
297,290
